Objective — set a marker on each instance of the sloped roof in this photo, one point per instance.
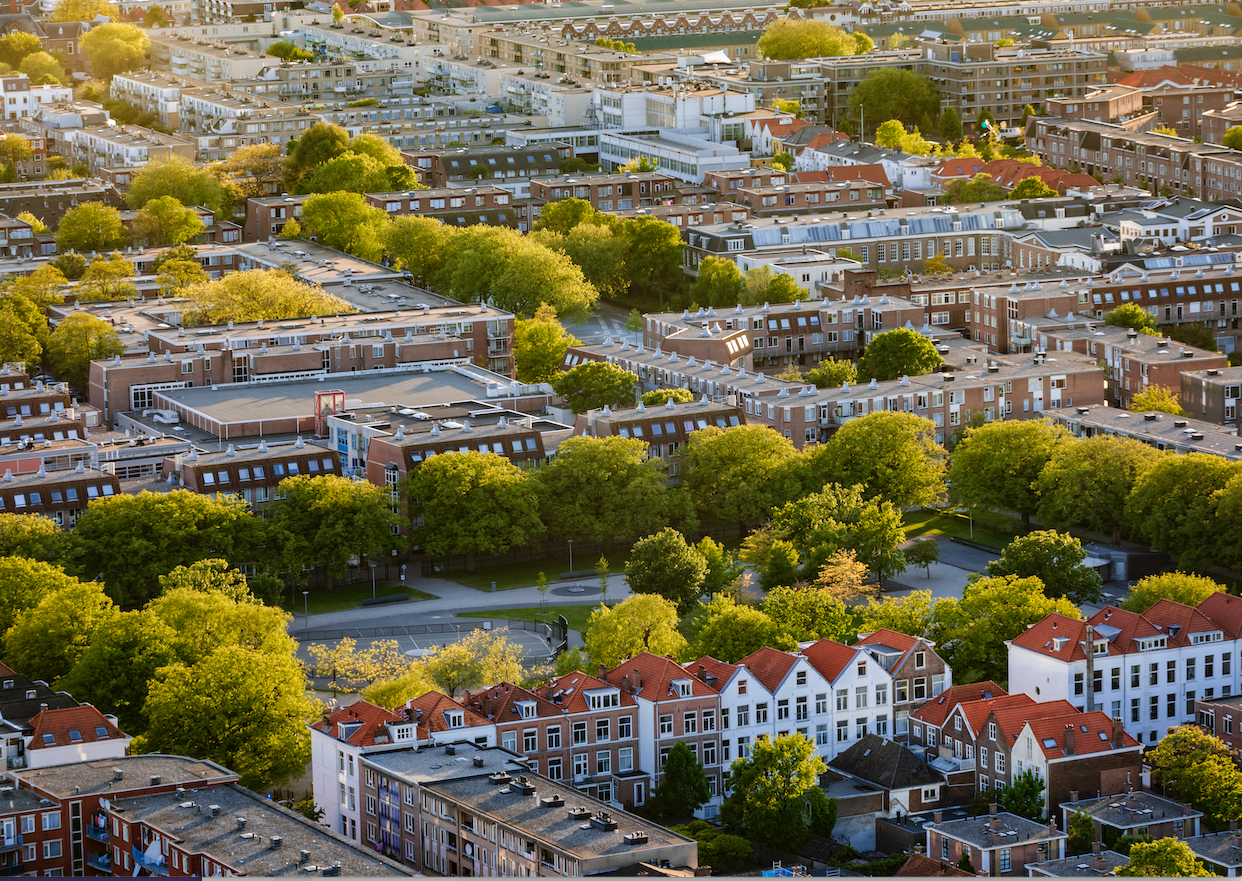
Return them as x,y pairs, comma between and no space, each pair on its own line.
1151,79
1042,637
371,723
769,666
919,866
1093,733
568,692
709,666
81,724
829,657
967,166
499,703
885,763
935,711
434,718
977,712
891,638
1225,612
656,675
1011,720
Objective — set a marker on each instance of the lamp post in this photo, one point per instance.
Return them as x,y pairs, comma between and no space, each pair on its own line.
571,555
306,606
372,581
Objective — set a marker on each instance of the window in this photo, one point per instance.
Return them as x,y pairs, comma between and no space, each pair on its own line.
821,703
843,699
743,716
602,730
782,709
51,850
901,691
530,740
625,759
666,725
580,733
1004,859
843,730
371,805
1000,762
860,696
625,727
920,689
709,720
761,714
881,695
554,737
51,820
603,762
920,660
580,765
508,740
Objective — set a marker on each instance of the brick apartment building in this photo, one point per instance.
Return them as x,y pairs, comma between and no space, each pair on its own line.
999,846
608,192
469,164
1213,395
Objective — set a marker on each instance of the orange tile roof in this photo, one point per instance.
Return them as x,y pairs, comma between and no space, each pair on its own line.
1150,79
709,666
891,638
656,675
370,720
829,657
62,725
967,166
919,866
977,712
1011,720
1225,612
1040,637
433,720
571,687
935,711
498,703
1093,733
769,666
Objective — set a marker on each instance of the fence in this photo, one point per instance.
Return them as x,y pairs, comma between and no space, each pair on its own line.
555,631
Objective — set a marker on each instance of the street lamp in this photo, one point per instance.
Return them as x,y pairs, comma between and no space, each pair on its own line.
571,555
372,581
306,606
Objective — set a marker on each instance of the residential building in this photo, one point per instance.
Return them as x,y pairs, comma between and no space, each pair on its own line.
60,495
252,474
608,192
1164,431
908,783
686,157
1134,813
1213,395
499,165
1220,850
73,734
1221,717
1099,863
22,99
666,428
998,845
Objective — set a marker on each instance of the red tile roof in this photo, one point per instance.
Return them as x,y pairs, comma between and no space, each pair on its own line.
655,675
1011,720
1150,79
874,173
499,703
709,666
1225,612
6,670
434,716
935,711
967,166
826,138
360,724
71,725
891,638
829,657
1040,637
977,712
1093,733
919,866
769,666
571,688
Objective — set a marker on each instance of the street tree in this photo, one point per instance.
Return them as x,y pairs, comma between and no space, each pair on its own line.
1025,795
595,384
78,340
188,183
1156,399
24,583
90,226
788,38
911,614
843,577
42,288
347,222
683,787
1131,315
1166,858
996,465
392,693
598,250
242,708
739,474
563,215
1227,503
472,503
484,657
130,540
1056,559
1171,507
16,46
808,613
120,662
604,488
641,623
664,564
358,172
165,221
892,456
723,568
922,554
252,169
897,353
776,796
18,342
719,283
108,278
729,632
1181,749
43,68
539,345
653,261
46,640
267,294
831,373
1213,786
893,93
418,245
204,621
1031,188
155,18
970,633
1180,587
1086,484
114,48
177,276
350,666
32,536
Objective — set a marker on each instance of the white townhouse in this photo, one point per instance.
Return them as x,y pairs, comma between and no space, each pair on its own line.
917,673
1146,669
859,697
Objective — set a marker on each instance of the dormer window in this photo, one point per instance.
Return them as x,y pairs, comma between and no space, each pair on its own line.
1100,646
1059,643
1200,638
682,687
455,718
1152,643
526,709
603,700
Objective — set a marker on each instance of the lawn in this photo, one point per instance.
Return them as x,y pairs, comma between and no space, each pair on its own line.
576,615
991,529
347,596
513,575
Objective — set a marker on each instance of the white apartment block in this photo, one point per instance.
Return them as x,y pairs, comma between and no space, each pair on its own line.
1148,670
22,99
676,107
683,156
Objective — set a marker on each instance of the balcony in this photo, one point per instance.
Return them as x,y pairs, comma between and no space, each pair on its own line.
155,867
101,862
13,842
97,834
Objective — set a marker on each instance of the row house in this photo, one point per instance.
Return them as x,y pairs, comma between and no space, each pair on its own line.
665,429
60,495
906,783
578,729
439,168
1221,717
1147,669
23,701
483,204
1164,431
253,474
808,198
608,192
1133,813
1213,395
998,845
688,214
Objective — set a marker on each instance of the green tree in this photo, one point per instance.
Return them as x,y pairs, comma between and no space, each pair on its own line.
789,38
911,614
347,222
1086,484
729,632
1233,138
682,789
664,564
1158,399
922,554
108,278
78,340
84,10
641,623
738,474
595,384
653,262
634,323
1056,559
1192,333
719,283
177,276
212,576
831,373
1031,188
187,183
1082,834
893,93
130,540
90,226
783,161
251,170
36,225
950,127
289,51
472,503
1180,587
563,215
417,244
980,188
337,13
242,708
897,353
723,568
1181,749
70,264
660,397
41,66
1131,315
1025,795
1171,507
997,464
356,172
1166,858
392,693
970,633
165,221
725,853
32,536
114,48
539,345
890,134
204,621
16,46
23,585
484,657
892,456
269,294
318,144
806,614
604,488
1214,786
18,342
776,795
597,250
46,641
155,18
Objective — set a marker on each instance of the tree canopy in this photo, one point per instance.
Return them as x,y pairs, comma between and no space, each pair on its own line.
78,340
791,38
595,384
324,521
1056,559
643,622
1166,858
1157,399
1131,315
897,353
347,222
683,787
90,226
1086,484
1180,587
165,221
1171,506
980,188
189,184
539,345
893,93
114,47
891,456
46,640
268,294
738,474
665,564
775,794
1031,188
996,465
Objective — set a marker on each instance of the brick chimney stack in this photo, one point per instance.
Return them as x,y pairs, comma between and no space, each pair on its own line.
1069,740
993,819
1119,734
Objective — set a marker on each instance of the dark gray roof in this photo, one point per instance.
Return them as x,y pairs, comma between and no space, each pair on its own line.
1081,866
885,763
1223,849
98,778
979,831
1130,811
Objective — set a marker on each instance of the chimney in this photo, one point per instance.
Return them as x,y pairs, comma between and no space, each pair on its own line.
938,817
603,673
1069,740
1119,734
636,680
1052,825
1131,800
1233,825
918,849
1097,862
996,838
1097,846
993,817
1187,810
1073,795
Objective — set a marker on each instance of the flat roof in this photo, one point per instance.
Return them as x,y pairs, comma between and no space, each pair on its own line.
1186,434
1126,811
435,764
98,778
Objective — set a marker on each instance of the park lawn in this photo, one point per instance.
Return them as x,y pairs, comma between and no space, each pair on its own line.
514,575
577,616
991,529
348,596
